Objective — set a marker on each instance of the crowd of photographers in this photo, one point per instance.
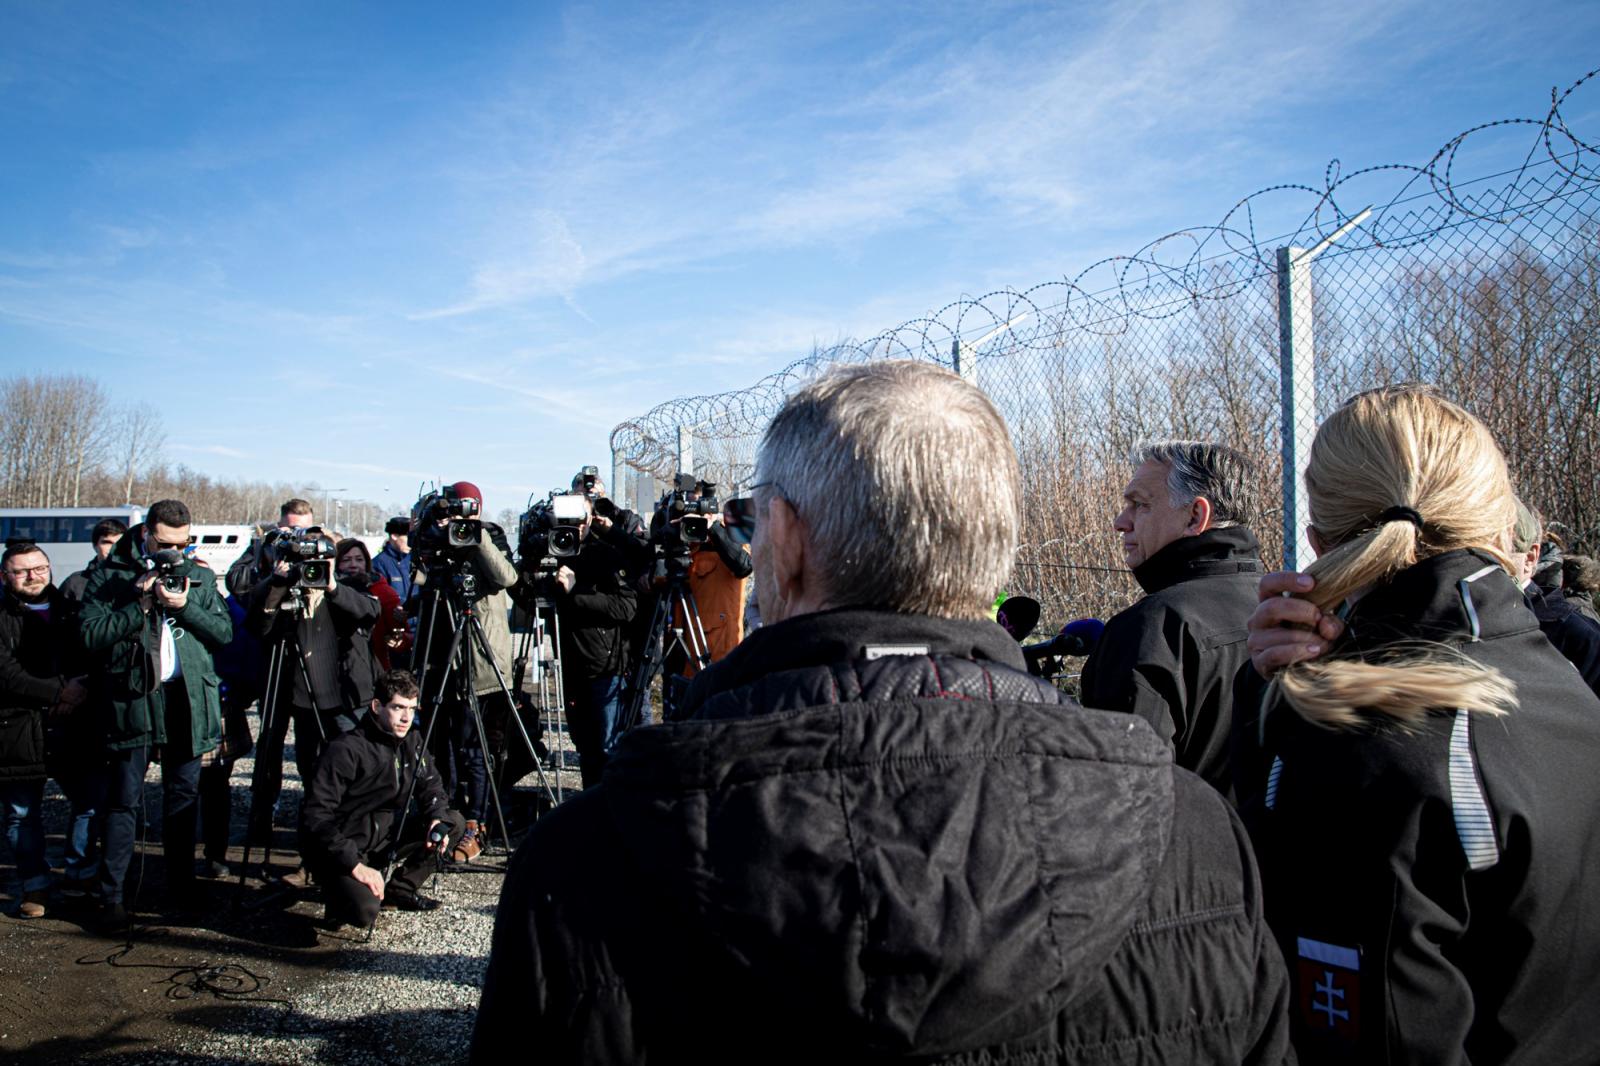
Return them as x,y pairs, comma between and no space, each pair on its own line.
142,658
1345,814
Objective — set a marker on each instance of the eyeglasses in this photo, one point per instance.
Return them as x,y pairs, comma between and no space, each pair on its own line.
739,513
37,571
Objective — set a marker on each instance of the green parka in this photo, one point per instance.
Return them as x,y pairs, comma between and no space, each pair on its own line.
122,642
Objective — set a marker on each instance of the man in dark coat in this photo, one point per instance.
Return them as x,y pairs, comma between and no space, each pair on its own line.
103,537
875,837
357,811
1560,620
1171,658
152,619
38,685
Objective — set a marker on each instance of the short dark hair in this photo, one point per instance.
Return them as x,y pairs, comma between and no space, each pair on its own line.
174,514
21,546
106,527
295,506
396,683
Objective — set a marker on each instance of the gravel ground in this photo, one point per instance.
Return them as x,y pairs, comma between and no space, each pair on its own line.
407,994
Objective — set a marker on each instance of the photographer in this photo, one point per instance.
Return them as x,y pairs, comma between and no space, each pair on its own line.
322,630
450,577
716,569
152,619
595,603
355,819
250,568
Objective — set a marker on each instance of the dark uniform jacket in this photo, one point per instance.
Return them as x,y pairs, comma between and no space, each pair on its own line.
123,644
1171,658
36,658
879,838
354,800
334,641
1437,889
1574,636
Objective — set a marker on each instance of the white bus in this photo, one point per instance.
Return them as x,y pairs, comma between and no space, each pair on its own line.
64,532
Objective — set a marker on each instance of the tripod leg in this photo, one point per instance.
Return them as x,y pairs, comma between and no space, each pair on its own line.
266,749
488,653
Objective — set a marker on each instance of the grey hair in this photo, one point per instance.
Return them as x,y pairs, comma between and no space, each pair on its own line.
1224,476
907,482
1528,529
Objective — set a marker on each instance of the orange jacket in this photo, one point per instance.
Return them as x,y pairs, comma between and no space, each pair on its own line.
720,597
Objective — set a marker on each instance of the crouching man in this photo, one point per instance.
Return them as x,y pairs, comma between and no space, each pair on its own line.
356,822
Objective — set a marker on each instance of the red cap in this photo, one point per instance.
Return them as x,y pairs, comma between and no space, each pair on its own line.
466,489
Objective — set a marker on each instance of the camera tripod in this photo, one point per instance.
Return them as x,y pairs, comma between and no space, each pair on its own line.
272,708
689,637
552,694
459,602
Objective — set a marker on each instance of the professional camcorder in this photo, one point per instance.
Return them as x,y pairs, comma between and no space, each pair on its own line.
309,552
692,517
551,529
458,531
165,563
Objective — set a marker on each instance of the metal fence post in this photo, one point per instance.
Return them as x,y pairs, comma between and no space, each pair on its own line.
619,480
964,360
685,450
1297,380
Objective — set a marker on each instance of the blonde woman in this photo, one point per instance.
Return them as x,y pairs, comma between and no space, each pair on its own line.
1427,832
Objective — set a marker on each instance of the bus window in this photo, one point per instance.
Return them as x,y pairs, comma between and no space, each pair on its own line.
211,538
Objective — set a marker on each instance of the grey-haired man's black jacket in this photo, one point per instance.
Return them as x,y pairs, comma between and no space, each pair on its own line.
877,838
1171,658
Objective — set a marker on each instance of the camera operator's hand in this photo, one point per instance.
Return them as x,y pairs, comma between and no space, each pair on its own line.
444,842
283,574
566,579
172,601
601,522
144,584
369,877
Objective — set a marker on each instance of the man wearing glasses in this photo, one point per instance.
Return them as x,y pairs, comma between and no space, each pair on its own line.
38,685
152,619
873,836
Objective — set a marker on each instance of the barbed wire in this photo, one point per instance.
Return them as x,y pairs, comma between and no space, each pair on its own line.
1166,276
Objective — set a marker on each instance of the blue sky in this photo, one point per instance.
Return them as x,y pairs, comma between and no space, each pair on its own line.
368,244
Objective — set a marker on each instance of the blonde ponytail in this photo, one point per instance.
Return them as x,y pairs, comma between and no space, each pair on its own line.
1398,475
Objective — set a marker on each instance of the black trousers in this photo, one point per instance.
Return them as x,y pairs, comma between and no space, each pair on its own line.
310,729
350,901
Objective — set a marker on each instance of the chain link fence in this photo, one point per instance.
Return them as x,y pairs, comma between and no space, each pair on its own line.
1478,271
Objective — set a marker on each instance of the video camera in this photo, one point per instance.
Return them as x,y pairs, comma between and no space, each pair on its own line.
309,552
429,537
551,529
692,517
165,563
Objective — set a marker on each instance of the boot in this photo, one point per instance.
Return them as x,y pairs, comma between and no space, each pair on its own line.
468,847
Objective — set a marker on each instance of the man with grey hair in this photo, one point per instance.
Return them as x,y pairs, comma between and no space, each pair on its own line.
1172,657
874,837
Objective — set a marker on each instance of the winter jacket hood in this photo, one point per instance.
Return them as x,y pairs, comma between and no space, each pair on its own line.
962,914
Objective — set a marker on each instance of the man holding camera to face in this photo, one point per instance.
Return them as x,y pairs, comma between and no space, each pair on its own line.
152,619
316,631
358,832
595,603
463,564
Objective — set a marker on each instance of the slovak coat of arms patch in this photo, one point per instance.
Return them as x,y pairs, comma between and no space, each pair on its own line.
1328,990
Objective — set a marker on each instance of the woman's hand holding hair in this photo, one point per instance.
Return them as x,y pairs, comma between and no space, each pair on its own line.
1286,629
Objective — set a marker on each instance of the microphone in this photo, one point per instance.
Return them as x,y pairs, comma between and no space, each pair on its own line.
1076,638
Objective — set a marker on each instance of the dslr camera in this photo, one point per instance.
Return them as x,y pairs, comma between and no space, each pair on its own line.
309,552
165,563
